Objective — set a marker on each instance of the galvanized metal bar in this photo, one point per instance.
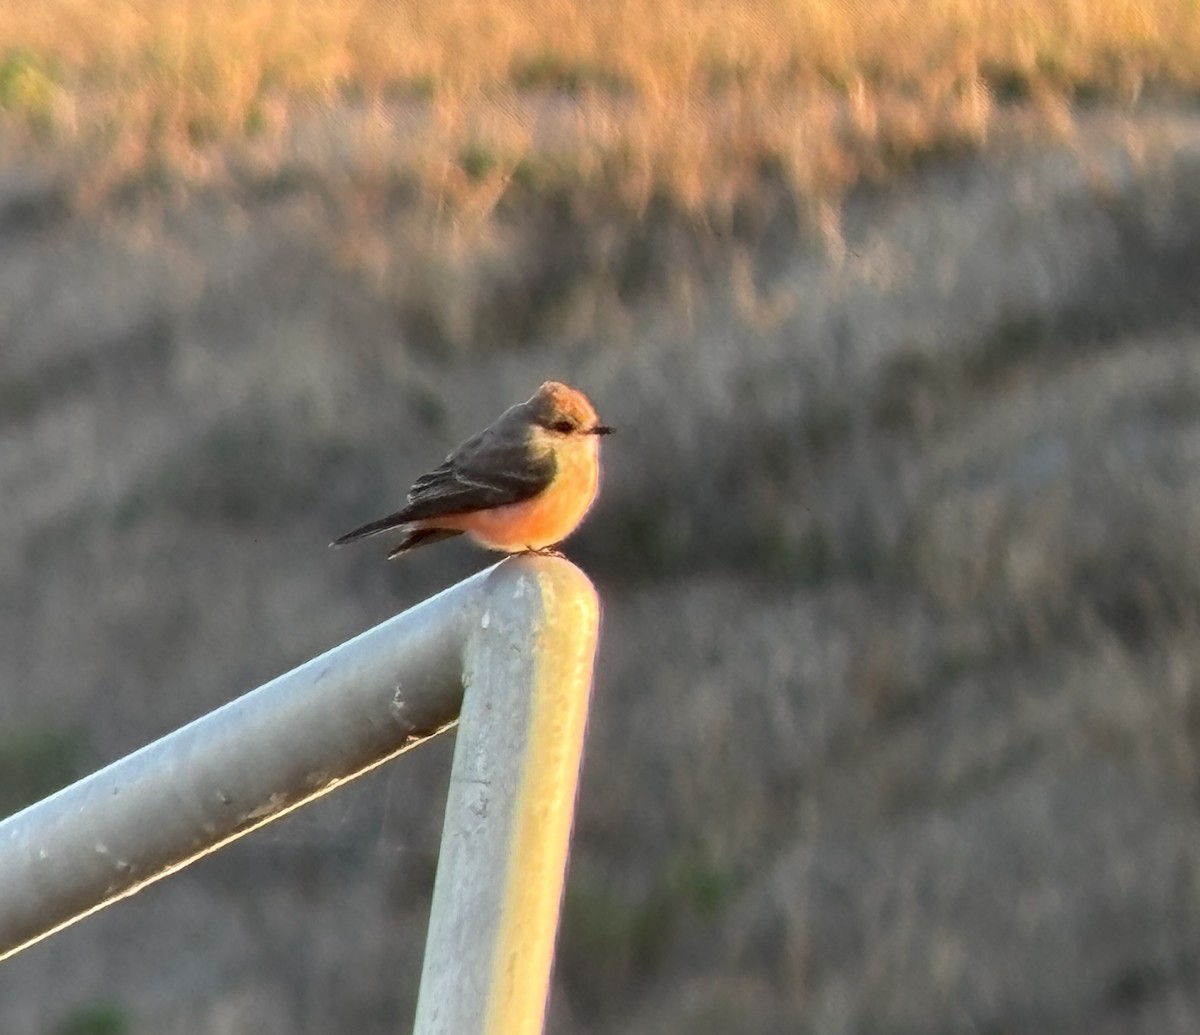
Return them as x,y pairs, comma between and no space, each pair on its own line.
509,811
266,753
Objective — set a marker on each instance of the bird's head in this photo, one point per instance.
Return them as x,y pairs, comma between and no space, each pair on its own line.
563,410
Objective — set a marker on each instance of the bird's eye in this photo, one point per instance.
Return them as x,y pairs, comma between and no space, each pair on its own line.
563,427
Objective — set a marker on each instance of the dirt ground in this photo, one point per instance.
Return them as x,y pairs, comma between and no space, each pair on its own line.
897,716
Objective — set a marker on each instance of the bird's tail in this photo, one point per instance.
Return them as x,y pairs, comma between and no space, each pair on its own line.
383,524
413,536
421,537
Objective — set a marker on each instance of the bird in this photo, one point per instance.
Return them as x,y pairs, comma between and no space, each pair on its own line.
523,484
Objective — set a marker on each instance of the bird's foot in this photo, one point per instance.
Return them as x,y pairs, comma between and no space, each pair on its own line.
548,551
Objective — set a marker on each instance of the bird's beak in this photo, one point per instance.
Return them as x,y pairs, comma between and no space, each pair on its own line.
602,429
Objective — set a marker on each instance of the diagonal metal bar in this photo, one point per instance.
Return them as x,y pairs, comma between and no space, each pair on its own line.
504,631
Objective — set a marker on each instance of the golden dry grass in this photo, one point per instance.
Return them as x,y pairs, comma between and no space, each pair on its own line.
693,97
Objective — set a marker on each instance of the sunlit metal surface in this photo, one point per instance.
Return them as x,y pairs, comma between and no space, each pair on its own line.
519,636
508,814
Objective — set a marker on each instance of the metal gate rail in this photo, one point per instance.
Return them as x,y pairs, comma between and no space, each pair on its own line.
510,649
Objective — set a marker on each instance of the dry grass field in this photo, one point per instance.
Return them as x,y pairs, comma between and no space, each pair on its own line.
695,99
896,725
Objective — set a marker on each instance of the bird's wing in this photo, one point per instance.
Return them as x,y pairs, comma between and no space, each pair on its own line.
493,469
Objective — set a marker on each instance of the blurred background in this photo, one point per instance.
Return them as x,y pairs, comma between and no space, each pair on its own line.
896,726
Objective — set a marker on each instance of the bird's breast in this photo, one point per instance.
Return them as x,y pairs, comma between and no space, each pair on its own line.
548,517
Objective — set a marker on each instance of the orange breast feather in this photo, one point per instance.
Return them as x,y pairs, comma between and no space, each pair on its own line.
546,519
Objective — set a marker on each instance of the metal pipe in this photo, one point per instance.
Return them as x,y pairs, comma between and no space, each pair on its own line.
264,754
509,810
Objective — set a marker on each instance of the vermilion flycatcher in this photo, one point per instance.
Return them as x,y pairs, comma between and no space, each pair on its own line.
524,483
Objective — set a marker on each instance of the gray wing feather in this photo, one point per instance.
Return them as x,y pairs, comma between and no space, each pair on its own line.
493,469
